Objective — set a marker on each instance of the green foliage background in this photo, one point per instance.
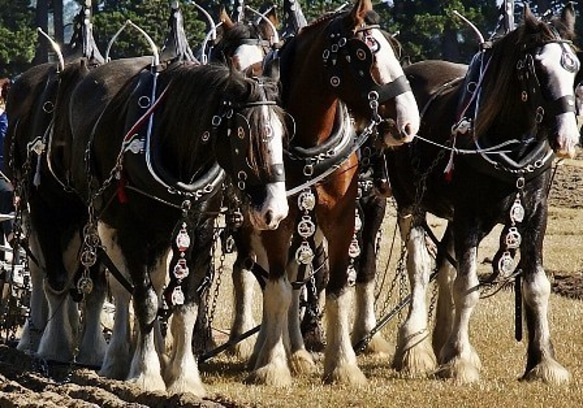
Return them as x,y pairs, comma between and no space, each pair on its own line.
426,28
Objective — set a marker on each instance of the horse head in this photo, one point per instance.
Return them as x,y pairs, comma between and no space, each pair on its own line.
364,70
250,147
537,75
245,45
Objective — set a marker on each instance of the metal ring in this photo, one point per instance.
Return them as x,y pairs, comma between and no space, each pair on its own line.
144,102
216,121
48,106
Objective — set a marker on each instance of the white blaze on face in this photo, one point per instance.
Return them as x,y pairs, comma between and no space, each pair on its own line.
560,83
247,55
275,207
386,69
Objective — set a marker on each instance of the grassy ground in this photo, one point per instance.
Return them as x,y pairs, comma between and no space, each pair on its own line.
492,334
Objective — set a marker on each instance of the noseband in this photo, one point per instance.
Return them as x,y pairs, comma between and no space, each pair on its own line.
531,86
238,132
359,56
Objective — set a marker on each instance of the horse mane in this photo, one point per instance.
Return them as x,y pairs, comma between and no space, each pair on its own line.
195,94
502,87
371,18
232,38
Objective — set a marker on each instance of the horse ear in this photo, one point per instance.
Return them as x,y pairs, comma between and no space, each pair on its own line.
359,11
265,27
225,19
568,16
272,16
529,19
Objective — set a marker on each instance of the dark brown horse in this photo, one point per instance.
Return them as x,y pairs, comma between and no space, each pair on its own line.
511,114
146,153
342,61
39,161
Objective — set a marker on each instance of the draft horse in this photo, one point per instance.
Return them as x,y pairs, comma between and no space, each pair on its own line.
39,160
340,62
146,164
512,114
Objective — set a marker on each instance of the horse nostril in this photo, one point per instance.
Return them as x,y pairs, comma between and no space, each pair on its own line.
406,130
268,217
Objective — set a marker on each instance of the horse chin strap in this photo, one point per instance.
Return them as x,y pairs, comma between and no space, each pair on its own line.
358,55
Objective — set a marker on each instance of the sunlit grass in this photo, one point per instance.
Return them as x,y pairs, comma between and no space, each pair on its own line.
492,334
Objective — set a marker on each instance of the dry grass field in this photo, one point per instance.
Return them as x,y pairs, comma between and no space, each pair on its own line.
492,334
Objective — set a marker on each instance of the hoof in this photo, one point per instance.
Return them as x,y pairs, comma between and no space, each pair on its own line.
348,374
149,382
244,349
301,362
277,376
186,384
550,372
379,347
460,371
416,359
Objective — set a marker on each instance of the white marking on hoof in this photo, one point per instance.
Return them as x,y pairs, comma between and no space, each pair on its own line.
347,374
414,355
301,362
461,371
379,347
550,372
274,374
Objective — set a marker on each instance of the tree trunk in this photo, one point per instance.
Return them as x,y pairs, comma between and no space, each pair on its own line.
42,21
58,20
449,46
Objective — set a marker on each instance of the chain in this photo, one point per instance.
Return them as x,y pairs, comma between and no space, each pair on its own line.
401,275
210,315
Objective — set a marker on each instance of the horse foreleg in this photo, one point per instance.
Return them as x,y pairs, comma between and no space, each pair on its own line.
145,369
270,355
340,364
364,317
458,358
58,339
93,346
301,360
243,290
536,289
414,354
445,306
36,323
182,374
118,354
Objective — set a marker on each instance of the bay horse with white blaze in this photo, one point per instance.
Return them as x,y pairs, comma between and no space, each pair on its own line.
340,62
146,165
511,114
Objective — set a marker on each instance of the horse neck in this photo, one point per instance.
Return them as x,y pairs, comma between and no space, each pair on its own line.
311,103
514,120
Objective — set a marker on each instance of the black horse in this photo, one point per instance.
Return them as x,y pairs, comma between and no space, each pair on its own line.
146,146
513,112
39,159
